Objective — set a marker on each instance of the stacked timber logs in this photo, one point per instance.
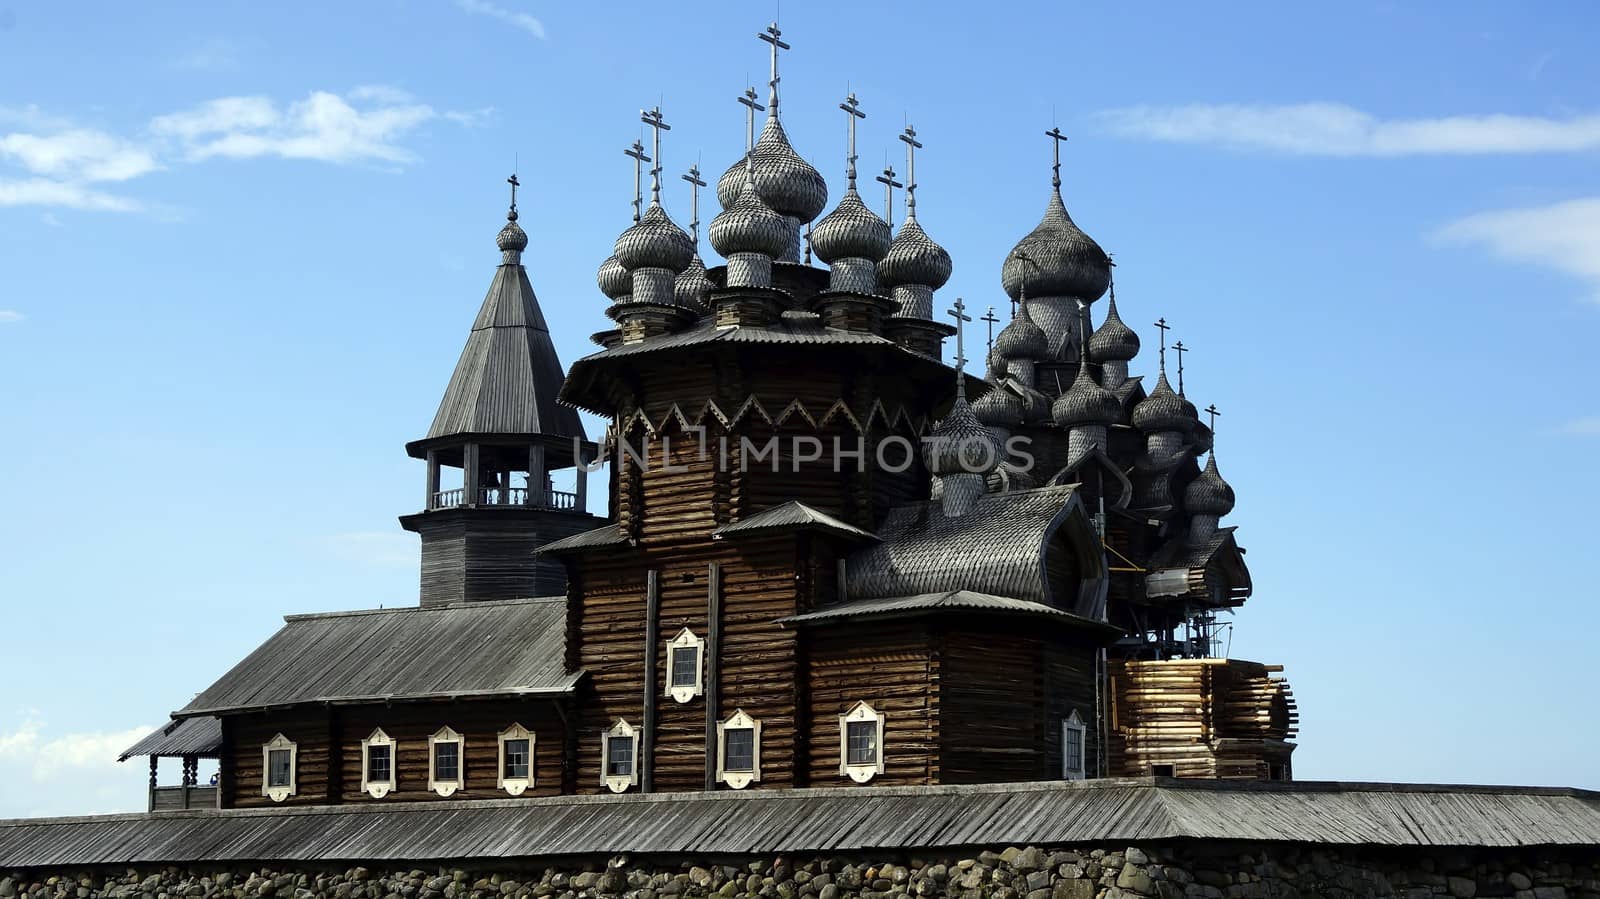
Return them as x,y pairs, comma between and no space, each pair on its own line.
1212,718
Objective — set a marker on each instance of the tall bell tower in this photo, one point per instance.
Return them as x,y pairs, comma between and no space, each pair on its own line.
498,436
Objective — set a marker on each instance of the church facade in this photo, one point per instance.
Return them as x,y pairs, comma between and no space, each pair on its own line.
831,558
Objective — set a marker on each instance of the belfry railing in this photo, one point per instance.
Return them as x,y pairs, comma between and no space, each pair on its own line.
559,500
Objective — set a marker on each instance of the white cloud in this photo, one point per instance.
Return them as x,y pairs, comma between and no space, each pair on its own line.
78,155
1586,427
1564,236
27,746
379,548
511,17
1335,129
10,316
44,192
324,127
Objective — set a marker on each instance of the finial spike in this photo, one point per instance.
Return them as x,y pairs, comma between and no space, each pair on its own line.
653,118
1056,139
1180,349
958,311
912,145
852,108
1162,324
695,183
637,153
774,36
889,184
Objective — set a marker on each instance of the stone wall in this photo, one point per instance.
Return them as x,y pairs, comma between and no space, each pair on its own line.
1176,871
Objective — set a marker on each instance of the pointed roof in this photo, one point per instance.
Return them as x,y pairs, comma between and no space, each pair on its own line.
509,375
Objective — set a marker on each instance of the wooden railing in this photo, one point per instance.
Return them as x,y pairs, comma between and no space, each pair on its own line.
164,799
559,500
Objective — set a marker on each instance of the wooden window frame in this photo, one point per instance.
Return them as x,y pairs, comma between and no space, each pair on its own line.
514,786
738,780
279,792
378,789
687,640
860,712
1073,723
447,734
619,783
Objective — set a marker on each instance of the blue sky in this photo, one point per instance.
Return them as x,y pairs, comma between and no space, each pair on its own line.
242,246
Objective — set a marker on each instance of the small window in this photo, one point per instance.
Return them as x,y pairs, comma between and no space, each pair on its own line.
516,759
278,758
861,743
1277,771
278,767
1163,771
445,749
619,757
684,654
1073,740
377,764
739,750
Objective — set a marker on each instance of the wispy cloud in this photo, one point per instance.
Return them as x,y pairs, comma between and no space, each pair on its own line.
1583,427
378,548
10,316
1564,236
57,164
26,745
511,17
1335,129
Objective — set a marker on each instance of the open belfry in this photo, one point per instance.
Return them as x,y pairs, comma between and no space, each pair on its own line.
831,559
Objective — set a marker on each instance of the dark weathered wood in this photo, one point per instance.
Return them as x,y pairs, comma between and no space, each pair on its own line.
713,672
652,638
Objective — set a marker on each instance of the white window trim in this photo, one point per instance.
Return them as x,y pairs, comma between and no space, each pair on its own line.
687,640
448,787
1074,722
619,783
859,773
378,789
738,780
281,792
515,786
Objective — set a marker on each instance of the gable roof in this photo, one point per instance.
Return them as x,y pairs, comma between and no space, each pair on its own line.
792,515
998,548
514,647
509,375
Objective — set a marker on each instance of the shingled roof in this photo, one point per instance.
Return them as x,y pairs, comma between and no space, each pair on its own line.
792,516
188,736
465,650
1000,548
509,376
934,603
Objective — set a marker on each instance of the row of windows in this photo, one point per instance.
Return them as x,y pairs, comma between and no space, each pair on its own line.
861,755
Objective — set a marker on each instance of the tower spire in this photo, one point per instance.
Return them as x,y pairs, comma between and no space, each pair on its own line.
958,311
852,109
1180,349
652,117
695,183
1056,140
912,145
1162,324
751,106
637,154
773,36
889,184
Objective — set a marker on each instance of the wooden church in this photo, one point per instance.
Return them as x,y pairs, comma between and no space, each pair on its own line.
832,559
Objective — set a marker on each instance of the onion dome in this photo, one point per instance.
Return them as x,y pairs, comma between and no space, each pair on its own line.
914,258
512,237
851,230
1086,403
995,364
999,408
1057,259
1022,339
1209,494
614,280
1162,410
961,444
1114,341
654,242
693,287
784,180
747,225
